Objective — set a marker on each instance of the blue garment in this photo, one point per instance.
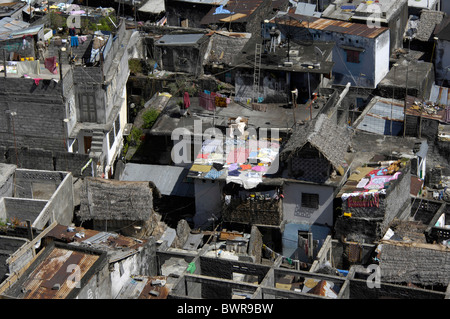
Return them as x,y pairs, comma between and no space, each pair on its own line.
234,173
213,174
74,41
221,10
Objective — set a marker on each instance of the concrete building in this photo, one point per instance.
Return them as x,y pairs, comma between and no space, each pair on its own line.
415,6
360,55
126,256
279,75
238,16
12,9
442,60
182,52
383,13
41,197
49,269
365,217
88,106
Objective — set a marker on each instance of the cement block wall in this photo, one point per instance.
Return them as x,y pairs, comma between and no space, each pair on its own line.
26,177
60,207
360,290
39,108
23,209
9,245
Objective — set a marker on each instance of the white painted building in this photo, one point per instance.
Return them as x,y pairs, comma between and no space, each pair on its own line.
425,4
361,54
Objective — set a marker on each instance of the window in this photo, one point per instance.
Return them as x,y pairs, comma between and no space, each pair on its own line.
87,107
111,138
310,200
352,56
117,125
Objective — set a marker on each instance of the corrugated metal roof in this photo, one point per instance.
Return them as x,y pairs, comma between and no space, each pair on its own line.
440,95
53,270
168,179
323,24
377,120
9,24
245,7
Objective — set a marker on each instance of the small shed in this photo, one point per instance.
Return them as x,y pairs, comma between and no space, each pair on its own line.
117,205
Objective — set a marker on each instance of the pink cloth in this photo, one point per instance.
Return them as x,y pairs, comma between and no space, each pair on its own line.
238,155
186,100
36,81
259,168
377,182
50,64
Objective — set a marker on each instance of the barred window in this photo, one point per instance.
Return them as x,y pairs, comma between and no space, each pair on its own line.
352,56
310,200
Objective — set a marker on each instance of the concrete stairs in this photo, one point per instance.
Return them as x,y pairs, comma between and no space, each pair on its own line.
78,51
97,142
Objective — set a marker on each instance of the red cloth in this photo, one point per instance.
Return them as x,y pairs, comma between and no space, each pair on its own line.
187,101
50,64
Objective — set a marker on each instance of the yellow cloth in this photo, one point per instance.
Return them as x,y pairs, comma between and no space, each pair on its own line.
201,168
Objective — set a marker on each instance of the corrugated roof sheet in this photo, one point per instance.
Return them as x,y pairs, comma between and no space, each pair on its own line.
53,270
8,24
377,120
440,95
168,179
246,7
314,23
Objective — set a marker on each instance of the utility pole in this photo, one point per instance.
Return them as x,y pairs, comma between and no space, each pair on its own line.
406,96
4,61
393,95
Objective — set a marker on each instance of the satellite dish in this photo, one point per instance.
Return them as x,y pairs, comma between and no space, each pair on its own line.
293,30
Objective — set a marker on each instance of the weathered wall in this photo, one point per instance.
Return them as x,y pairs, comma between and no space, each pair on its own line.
188,59
39,109
207,201
293,212
8,246
6,180
272,89
223,268
60,206
360,290
442,61
178,11
370,223
23,209
255,244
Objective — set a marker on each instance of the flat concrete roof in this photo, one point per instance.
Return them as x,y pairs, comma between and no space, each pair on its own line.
179,39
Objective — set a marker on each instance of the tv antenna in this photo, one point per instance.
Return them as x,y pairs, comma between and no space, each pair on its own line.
293,30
